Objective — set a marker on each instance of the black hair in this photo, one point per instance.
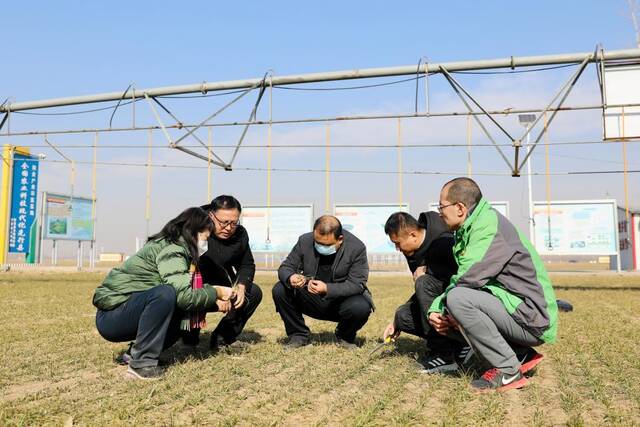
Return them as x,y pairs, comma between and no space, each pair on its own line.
187,225
400,221
328,224
224,202
463,190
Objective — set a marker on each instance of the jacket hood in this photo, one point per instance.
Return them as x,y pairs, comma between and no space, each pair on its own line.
434,226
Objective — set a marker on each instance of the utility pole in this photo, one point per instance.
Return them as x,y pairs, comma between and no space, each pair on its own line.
525,120
633,9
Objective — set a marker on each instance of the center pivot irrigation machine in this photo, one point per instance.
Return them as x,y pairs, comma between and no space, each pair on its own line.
22,225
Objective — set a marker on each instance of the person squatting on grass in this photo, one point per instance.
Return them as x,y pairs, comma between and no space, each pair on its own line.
325,277
228,261
501,299
148,297
427,245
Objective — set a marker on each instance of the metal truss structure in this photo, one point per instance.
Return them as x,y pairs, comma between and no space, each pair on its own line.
423,70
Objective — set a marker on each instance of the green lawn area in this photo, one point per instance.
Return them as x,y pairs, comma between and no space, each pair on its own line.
56,369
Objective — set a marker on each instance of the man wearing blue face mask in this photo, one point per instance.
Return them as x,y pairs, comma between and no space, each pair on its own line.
325,277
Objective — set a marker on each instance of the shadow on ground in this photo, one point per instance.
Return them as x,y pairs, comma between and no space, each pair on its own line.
198,349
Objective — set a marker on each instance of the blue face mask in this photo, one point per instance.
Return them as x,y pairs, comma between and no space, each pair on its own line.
325,250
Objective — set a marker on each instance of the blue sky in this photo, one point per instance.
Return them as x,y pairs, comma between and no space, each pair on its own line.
97,46
57,49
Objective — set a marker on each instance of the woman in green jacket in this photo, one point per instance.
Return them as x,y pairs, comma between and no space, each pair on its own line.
146,298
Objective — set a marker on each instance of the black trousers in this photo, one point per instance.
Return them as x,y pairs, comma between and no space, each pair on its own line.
413,317
233,323
351,312
150,318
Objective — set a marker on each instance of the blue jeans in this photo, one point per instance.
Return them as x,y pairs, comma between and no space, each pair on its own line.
150,318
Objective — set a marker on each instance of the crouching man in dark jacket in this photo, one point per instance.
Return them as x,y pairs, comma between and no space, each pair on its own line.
427,245
228,261
324,277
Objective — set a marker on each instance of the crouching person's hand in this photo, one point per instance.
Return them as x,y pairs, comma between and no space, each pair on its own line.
224,296
390,332
439,322
453,323
224,293
223,306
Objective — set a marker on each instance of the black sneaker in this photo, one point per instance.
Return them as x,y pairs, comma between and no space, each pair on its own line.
145,373
233,348
216,343
296,342
496,380
347,345
191,338
125,358
563,305
437,363
464,356
238,346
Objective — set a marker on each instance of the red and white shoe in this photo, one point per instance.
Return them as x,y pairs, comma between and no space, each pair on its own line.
496,380
529,361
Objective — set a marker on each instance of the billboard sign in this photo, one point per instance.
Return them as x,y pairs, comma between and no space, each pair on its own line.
23,203
277,228
621,88
581,227
67,218
366,222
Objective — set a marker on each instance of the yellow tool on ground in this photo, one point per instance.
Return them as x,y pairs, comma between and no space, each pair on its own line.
380,346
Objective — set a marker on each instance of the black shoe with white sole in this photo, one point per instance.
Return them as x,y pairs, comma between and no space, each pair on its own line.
464,356
437,363
296,341
347,345
146,372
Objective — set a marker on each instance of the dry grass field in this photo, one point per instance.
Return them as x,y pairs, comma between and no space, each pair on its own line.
56,370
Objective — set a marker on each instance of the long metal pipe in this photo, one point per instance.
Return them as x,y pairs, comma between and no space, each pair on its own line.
315,120
511,62
348,171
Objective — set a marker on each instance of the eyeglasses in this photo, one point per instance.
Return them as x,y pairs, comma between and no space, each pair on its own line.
225,224
441,207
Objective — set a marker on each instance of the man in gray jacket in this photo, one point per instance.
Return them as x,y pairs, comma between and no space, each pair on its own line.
324,277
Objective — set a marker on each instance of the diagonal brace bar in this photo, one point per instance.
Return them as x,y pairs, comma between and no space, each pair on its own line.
252,118
567,88
174,144
571,82
484,129
200,156
220,162
224,107
57,150
170,140
162,126
453,81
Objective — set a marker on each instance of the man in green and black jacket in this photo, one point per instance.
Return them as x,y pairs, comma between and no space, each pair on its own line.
501,298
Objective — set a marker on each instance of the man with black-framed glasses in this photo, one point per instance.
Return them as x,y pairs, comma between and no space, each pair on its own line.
228,261
501,300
